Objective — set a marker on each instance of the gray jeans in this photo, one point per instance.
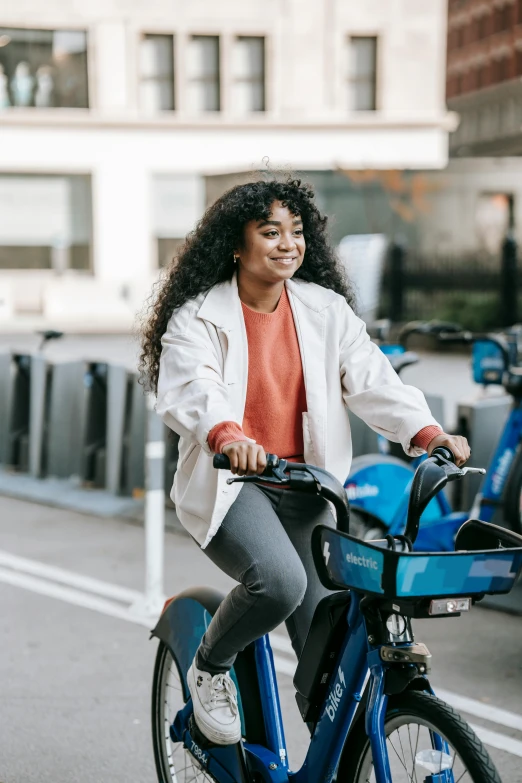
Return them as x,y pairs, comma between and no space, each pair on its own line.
264,543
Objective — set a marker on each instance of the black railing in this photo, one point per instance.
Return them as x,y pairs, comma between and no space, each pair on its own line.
480,289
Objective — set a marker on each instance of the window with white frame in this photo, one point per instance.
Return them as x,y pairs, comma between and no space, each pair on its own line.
178,201
203,74
362,73
157,73
248,89
43,68
45,222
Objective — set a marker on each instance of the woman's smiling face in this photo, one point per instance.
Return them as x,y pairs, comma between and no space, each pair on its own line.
273,249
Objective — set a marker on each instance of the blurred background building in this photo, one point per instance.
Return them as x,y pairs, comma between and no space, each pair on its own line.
120,120
484,76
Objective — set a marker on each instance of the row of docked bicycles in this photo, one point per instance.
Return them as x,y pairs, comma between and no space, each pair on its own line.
362,680
379,484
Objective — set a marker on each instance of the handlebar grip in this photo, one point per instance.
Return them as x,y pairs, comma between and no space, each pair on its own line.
442,451
221,462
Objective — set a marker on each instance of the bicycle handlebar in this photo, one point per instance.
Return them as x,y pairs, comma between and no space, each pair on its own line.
430,477
434,328
450,333
221,462
300,476
465,337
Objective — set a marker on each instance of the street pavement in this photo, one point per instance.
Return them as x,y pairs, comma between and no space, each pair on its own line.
76,664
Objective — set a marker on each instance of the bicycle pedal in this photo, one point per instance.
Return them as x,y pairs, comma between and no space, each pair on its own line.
198,736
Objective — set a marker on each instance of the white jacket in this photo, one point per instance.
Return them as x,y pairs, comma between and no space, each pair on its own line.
203,381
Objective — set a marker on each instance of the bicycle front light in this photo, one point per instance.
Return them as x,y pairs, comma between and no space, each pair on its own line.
449,606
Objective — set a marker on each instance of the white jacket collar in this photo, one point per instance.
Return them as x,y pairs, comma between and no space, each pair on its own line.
222,305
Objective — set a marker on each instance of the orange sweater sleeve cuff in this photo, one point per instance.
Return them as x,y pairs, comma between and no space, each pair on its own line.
424,437
224,433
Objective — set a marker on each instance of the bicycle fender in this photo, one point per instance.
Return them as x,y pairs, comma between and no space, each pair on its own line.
184,620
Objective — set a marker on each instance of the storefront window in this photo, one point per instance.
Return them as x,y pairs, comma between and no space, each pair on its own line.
45,222
43,68
178,201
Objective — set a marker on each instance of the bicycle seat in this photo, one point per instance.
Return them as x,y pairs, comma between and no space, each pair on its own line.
401,360
476,534
51,334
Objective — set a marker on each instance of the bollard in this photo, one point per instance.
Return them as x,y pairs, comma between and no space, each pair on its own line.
509,282
396,281
151,604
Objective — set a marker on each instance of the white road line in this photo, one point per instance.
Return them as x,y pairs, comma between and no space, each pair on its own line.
66,586
71,596
499,741
481,710
87,583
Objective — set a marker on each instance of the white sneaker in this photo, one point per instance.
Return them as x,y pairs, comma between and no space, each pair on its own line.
214,698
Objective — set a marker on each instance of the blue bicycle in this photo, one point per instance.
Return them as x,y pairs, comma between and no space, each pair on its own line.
362,680
378,485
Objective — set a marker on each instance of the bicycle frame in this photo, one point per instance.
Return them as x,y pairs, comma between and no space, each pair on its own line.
346,691
359,666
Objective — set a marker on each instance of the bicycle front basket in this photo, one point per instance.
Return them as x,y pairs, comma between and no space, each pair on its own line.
346,562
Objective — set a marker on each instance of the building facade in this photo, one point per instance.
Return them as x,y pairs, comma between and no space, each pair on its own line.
484,76
113,115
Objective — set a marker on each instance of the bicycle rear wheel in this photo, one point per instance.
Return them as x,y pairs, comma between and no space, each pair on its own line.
174,764
412,720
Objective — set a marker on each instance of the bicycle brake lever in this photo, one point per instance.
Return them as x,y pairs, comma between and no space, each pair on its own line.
263,479
277,471
456,473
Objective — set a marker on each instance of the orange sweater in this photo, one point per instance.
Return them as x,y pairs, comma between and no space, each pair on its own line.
276,396
275,376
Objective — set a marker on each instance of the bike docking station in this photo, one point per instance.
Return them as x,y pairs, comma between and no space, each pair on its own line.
81,435
361,677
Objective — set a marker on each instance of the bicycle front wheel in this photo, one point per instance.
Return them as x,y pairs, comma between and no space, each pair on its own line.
174,764
413,723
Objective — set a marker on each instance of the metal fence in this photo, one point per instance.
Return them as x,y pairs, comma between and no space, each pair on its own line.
478,291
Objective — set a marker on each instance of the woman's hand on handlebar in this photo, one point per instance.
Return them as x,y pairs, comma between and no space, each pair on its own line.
457,444
246,458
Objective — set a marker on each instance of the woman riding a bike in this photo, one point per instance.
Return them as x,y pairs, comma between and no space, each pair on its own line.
253,347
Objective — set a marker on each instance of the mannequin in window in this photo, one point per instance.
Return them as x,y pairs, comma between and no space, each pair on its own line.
4,92
22,85
44,87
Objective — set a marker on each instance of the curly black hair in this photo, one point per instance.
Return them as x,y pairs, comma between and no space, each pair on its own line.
207,256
